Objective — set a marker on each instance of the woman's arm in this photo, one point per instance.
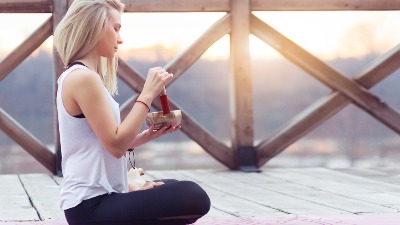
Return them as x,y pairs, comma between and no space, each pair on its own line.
85,89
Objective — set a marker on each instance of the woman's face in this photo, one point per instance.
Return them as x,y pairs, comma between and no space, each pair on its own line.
108,44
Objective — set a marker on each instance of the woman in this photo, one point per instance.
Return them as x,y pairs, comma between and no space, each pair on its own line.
94,140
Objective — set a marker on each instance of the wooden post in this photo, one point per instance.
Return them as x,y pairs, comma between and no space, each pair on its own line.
241,87
59,10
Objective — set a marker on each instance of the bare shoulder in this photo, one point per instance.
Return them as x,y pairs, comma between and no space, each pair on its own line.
82,78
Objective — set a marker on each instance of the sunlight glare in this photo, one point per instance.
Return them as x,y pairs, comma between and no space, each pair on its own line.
327,35
338,34
17,27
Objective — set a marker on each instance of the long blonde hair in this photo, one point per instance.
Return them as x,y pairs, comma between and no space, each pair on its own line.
80,30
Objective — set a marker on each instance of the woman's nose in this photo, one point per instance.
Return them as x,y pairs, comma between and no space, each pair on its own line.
119,40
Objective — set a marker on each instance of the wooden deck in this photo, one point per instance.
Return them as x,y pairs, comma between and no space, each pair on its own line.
275,196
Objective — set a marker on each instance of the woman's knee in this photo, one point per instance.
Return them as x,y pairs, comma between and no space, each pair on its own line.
199,200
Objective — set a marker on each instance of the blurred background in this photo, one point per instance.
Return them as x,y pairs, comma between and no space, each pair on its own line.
347,41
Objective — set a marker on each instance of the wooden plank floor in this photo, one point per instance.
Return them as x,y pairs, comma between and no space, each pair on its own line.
277,195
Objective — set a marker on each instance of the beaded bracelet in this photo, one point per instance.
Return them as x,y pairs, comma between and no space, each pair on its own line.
148,108
133,156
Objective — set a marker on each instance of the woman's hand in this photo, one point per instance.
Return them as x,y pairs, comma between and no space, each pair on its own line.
141,171
156,79
151,184
150,134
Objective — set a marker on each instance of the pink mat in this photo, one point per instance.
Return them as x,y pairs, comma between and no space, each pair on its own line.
368,219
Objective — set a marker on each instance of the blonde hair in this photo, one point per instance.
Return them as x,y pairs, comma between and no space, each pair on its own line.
81,29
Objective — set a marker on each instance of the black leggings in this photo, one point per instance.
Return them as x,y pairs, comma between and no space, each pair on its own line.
175,203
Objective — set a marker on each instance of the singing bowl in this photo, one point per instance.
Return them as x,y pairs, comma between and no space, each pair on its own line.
159,120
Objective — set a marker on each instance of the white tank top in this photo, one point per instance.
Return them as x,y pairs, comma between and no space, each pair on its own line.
89,170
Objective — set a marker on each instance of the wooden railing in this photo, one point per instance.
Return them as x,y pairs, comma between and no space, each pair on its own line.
239,23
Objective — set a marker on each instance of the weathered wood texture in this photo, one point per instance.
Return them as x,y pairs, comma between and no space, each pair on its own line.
276,194
329,5
26,48
44,194
327,75
238,23
177,6
325,107
177,66
45,6
241,82
189,126
26,6
184,60
14,202
27,141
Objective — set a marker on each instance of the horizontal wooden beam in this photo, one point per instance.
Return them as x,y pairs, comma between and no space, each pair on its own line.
26,6
26,48
259,5
27,141
210,144
176,5
184,60
323,5
324,108
46,6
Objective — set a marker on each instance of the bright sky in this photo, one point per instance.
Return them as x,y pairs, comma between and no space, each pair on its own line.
326,34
